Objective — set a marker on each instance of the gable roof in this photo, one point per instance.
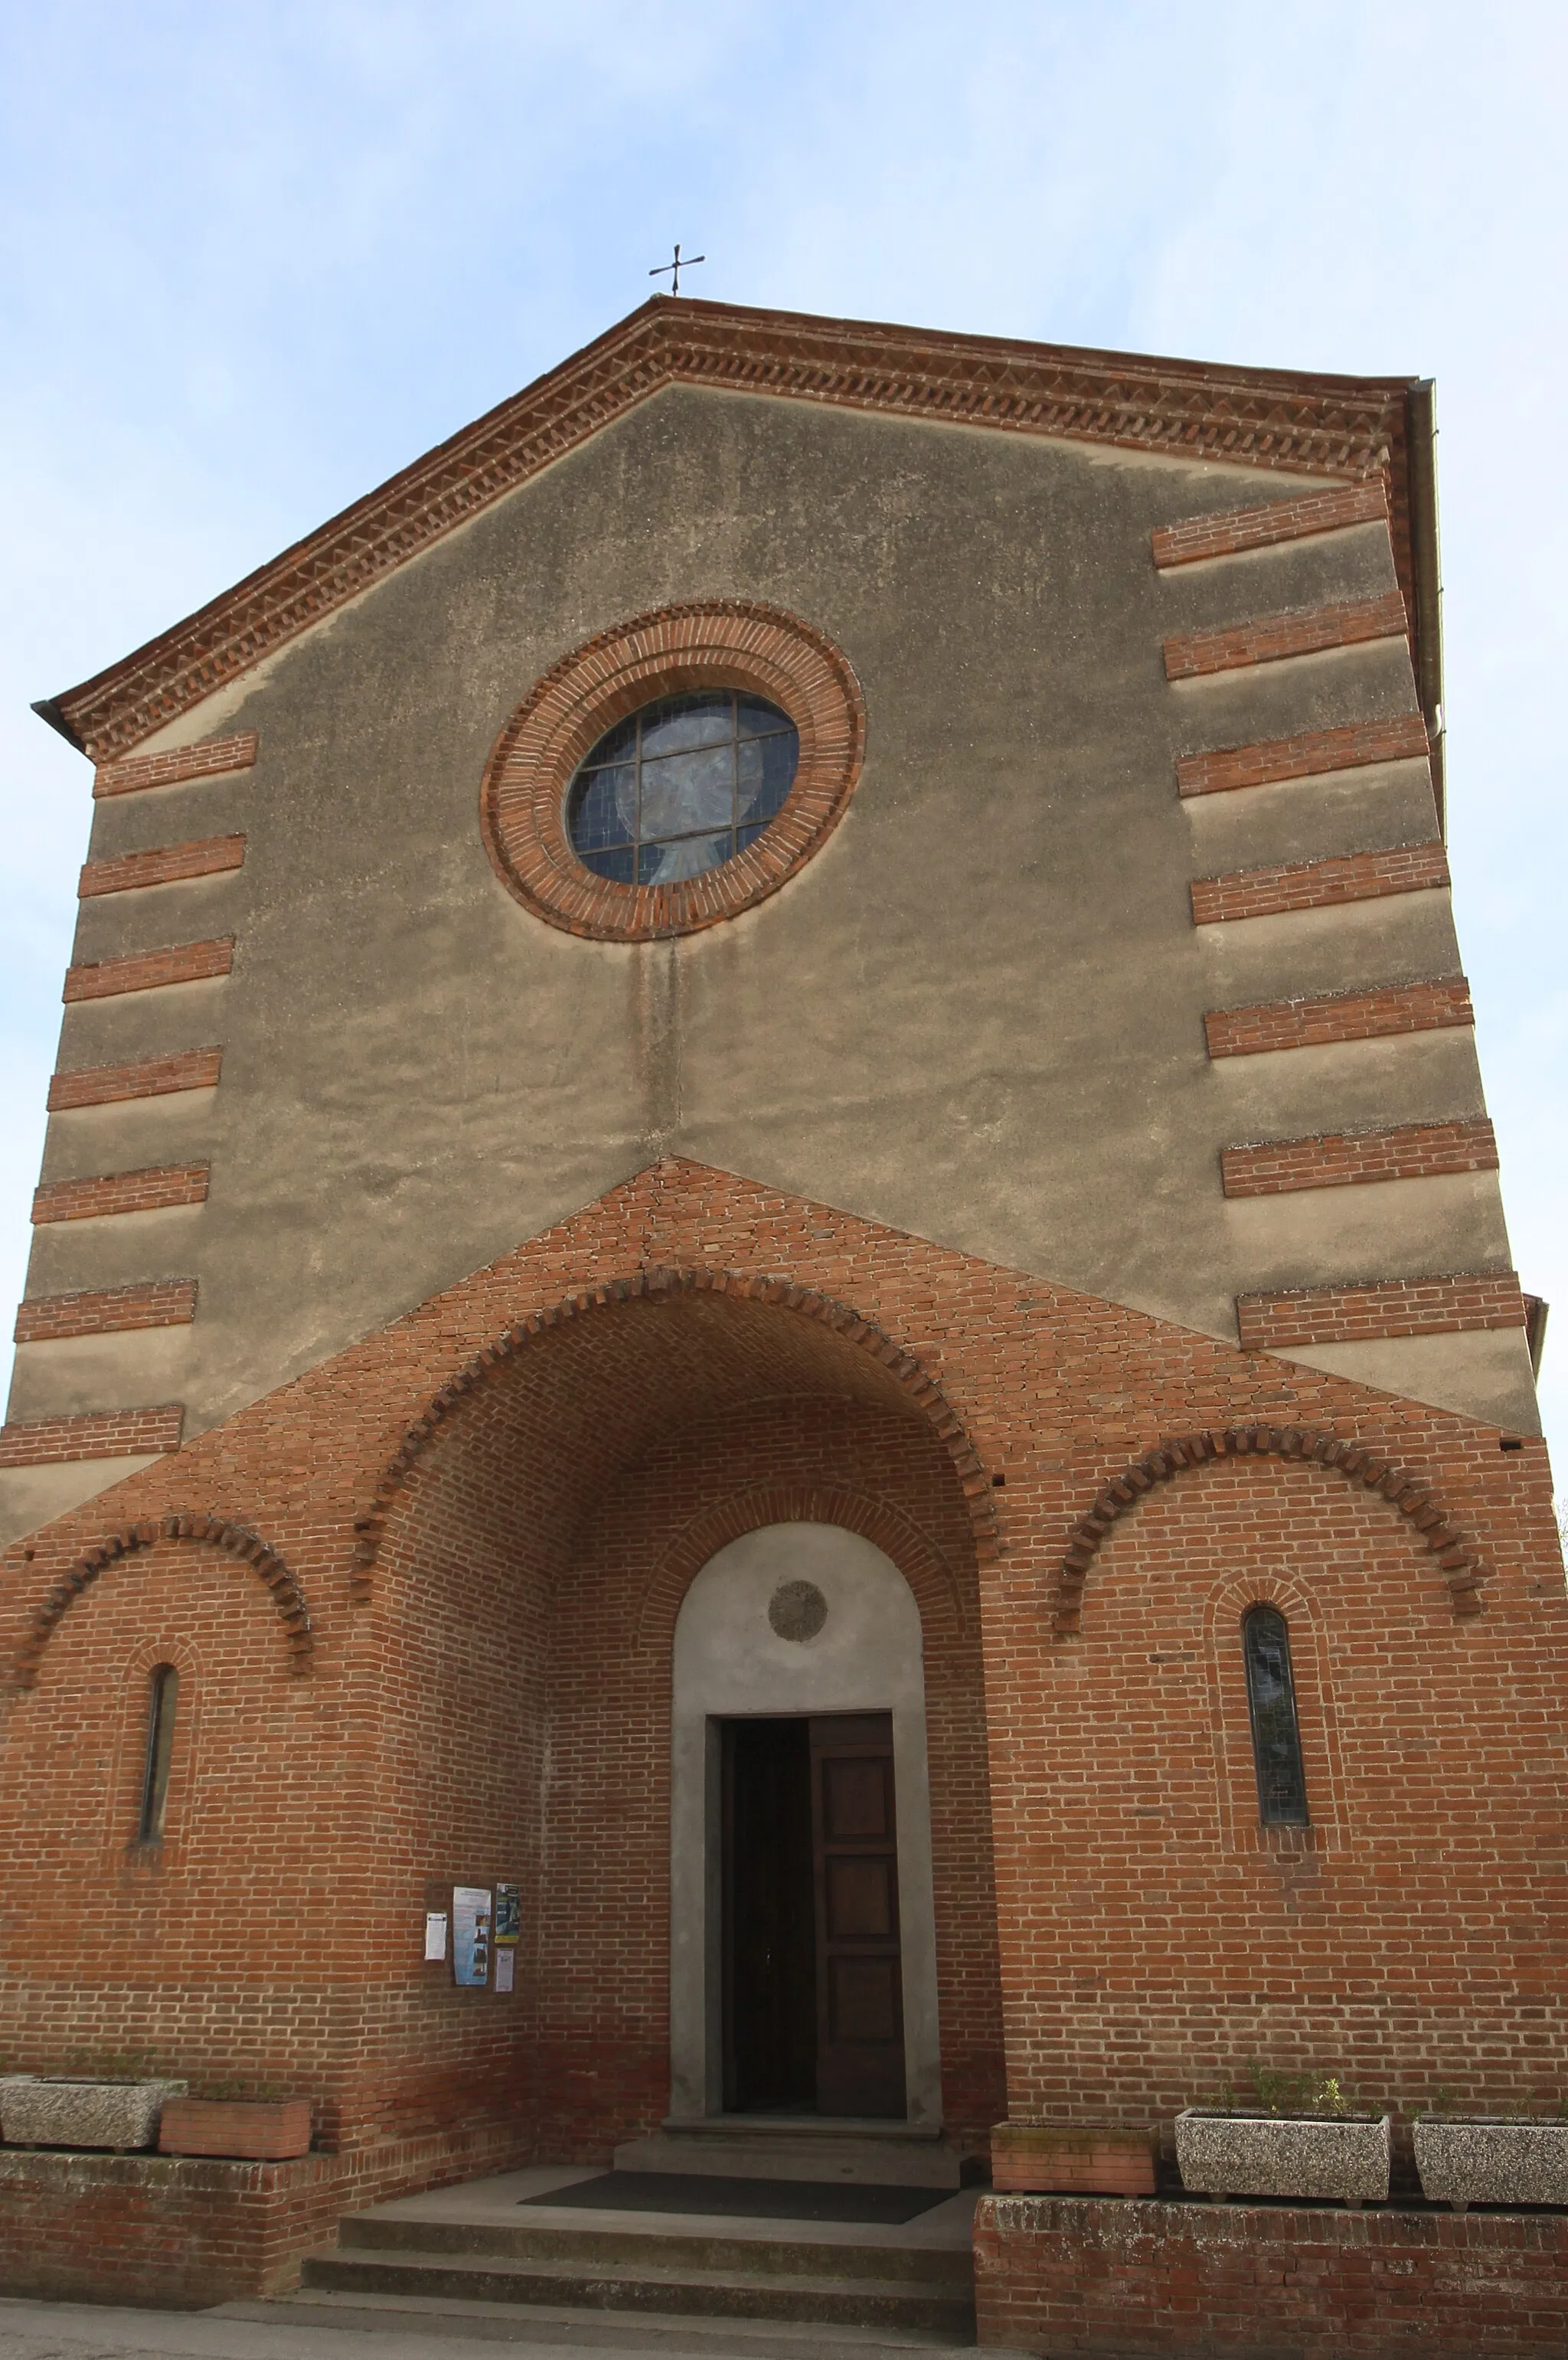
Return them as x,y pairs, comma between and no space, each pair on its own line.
1339,427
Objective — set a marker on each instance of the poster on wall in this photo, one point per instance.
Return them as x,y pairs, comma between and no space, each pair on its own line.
470,1918
508,1915
505,1962
435,1936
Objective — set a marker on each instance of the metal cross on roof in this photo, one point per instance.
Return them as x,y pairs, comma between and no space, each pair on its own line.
676,268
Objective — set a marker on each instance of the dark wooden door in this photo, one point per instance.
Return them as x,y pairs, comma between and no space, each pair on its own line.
860,2010
770,1948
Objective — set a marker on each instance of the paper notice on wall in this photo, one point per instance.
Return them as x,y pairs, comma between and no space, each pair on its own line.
505,1960
470,1923
435,1935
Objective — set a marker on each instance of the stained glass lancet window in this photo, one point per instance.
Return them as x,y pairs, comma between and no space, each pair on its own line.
1276,1734
162,1692
681,786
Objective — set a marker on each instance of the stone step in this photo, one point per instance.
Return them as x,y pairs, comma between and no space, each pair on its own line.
806,2147
895,2301
664,2249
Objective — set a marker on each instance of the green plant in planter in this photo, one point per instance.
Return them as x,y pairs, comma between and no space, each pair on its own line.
1318,2095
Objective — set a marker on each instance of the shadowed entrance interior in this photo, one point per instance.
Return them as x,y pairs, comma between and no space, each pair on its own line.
812,1985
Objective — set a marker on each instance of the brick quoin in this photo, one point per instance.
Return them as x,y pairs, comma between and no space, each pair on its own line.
90,1434
1230,531
122,1192
1311,753
572,1431
147,970
1416,1150
127,871
210,759
143,1077
1440,1305
106,1311
1319,884
1387,1009
1189,655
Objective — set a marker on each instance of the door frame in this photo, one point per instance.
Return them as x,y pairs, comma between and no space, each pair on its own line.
730,1664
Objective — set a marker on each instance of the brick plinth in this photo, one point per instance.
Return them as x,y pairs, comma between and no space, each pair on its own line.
148,970
189,2231
1118,2280
1388,1009
106,1311
1232,531
1318,884
1189,655
143,1077
1442,1305
1416,1151
1312,753
170,864
146,1191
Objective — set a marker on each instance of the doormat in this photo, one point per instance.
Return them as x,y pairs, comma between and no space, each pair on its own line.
751,2200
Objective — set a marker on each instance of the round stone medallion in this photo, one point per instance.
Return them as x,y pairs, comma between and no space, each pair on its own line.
797,1610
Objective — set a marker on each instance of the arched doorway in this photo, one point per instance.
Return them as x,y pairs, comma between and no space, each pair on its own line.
802,1912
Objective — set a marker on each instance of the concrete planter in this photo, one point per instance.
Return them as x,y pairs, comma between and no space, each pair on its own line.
35,2111
1073,2159
256,2130
1489,2161
1343,2159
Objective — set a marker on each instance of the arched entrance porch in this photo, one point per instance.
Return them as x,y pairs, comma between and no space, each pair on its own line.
528,1585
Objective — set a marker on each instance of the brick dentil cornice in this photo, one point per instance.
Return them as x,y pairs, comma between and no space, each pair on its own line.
1341,427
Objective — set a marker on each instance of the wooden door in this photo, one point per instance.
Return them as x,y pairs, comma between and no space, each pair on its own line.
860,2000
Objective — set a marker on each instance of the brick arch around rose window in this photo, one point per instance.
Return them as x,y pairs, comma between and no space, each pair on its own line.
937,1591
209,1530
841,1345
1458,1560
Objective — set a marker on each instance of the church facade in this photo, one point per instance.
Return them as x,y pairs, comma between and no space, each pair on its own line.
771,1365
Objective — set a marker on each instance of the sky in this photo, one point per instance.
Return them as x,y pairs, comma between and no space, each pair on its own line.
255,258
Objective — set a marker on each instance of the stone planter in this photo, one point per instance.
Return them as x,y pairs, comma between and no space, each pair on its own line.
256,2130
1073,2159
1489,2161
1343,2159
38,2111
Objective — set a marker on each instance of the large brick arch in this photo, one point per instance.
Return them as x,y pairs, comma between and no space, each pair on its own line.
899,1376
930,1578
213,1532
1459,1558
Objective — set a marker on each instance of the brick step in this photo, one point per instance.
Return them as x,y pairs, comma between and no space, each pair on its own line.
705,2250
757,2294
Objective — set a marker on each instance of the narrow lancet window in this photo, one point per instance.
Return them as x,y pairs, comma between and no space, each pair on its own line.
1276,1734
163,1693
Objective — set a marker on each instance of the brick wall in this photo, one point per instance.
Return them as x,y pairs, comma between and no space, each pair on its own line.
1390,1009
1440,1305
90,1434
208,856
1416,1151
209,757
1318,884
122,1192
144,1077
106,1311
1311,753
145,970
1232,531
488,1686
1118,2281
1269,638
